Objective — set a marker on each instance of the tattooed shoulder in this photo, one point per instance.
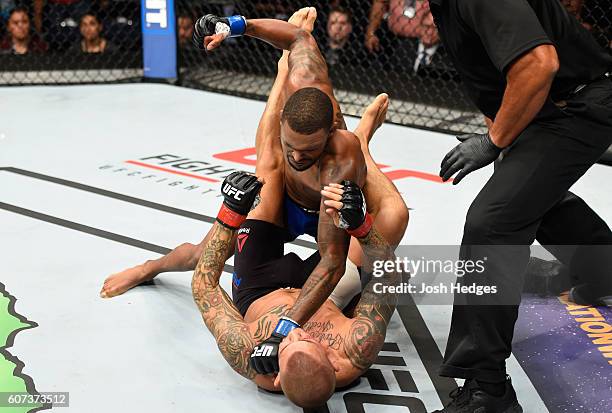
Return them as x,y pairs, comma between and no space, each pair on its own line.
266,323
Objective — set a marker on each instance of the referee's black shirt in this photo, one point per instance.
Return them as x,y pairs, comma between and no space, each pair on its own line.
483,37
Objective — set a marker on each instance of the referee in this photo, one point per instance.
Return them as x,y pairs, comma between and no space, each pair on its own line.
541,81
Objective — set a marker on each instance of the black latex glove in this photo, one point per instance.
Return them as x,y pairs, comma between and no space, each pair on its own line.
475,151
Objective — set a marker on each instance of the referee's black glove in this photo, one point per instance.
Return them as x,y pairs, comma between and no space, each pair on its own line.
475,151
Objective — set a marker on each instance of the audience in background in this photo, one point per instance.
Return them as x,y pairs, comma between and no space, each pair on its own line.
20,39
58,20
92,41
411,21
184,29
410,37
577,9
339,30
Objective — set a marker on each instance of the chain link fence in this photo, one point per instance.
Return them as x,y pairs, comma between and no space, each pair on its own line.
69,41
371,46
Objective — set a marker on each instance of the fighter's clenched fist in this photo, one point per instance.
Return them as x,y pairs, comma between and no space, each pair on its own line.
239,189
210,30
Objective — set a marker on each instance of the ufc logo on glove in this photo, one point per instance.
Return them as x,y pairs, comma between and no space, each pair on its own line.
262,351
231,191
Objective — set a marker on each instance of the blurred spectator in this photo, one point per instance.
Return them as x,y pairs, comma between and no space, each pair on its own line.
407,19
58,20
574,7
577,9
339,30
92,40
185,29
20,39
5,10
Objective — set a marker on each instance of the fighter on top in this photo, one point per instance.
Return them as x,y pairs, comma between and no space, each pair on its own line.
315,146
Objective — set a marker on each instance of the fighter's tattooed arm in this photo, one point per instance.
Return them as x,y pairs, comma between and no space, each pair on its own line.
218,311
374,310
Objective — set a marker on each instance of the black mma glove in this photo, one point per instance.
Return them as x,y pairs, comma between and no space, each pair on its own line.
210,24
264,357
475,151
354,217
239,189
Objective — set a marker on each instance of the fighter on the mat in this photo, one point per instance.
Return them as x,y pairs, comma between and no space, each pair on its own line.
317,153
390,211
330,350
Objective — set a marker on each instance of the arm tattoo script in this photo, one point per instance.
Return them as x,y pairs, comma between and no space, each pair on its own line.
218,311
374,310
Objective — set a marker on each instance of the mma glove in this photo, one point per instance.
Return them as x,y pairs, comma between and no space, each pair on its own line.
264,357
232,26
239,190
354,217
475,151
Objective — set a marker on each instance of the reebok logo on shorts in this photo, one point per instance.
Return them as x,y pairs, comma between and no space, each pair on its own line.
241,240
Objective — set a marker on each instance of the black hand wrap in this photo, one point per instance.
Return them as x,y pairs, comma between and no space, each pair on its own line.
353,214
239,189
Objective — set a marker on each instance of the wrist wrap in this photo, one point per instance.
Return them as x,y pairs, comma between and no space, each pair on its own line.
229,218
363,229
285,326
237,25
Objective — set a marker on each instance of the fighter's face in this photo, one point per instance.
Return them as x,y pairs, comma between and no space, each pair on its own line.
302,151
295,336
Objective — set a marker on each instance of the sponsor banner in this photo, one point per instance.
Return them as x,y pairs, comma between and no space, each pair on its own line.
158,39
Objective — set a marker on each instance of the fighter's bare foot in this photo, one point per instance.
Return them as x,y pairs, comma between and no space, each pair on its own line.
304,18
371,119
120,282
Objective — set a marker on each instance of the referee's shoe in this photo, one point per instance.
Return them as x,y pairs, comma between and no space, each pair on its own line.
471,398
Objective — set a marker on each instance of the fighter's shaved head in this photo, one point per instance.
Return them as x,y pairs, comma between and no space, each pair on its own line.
307,376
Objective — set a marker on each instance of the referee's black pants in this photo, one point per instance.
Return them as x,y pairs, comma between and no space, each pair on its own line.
528,198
